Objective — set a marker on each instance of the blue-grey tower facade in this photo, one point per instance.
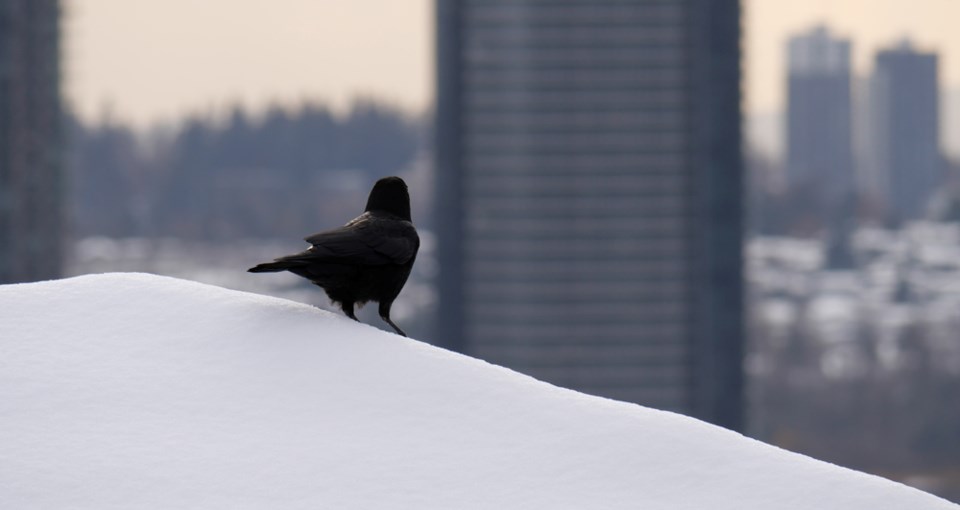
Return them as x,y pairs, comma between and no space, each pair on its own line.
904,154
589,222
31,180
819,112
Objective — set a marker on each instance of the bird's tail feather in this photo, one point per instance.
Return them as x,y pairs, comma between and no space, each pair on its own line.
288,263
271,267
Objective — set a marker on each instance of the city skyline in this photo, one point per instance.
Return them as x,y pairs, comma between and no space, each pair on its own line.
897,163
121,55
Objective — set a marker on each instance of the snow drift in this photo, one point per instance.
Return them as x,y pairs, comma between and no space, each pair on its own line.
123,391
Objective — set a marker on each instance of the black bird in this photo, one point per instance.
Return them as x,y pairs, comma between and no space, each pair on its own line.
368,259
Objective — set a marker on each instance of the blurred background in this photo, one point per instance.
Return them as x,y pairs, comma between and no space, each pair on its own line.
746,211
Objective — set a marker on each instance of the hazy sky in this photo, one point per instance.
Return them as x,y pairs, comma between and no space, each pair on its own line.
153,60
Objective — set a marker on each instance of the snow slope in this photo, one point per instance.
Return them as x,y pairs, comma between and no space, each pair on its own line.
123,391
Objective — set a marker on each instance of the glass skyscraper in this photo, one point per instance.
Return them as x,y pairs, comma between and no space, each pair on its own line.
819,113
904,152
589,215
31,181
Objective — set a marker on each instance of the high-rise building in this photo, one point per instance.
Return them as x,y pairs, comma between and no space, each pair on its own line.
903,161
588,167
819,110
31,181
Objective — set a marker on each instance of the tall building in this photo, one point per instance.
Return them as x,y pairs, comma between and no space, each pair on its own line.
819,110
31,181
903,162
589,195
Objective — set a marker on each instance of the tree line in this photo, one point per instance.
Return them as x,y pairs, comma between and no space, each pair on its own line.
281,173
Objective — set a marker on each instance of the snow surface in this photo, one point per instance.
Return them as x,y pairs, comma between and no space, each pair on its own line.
122,391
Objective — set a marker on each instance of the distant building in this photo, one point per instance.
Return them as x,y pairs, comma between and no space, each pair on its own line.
903,161
31,178
589,181
819,134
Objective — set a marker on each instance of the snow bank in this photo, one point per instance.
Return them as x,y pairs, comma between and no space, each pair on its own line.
122,391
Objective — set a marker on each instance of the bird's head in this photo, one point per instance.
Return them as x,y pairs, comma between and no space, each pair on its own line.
390,194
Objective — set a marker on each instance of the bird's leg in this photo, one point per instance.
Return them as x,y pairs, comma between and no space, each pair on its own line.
347,308
394,326
385,315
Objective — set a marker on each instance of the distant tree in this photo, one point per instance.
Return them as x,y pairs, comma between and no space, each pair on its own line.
281,174
107,168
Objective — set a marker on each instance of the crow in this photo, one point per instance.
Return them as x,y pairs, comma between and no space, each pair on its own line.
368,259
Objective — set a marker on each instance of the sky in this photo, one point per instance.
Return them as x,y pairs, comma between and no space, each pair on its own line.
147,61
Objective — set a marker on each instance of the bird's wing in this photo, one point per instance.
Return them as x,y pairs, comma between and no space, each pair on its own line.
368,242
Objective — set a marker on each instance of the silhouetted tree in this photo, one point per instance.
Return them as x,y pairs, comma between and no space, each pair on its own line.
277,175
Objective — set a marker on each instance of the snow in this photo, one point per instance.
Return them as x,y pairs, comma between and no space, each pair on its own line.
122,391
